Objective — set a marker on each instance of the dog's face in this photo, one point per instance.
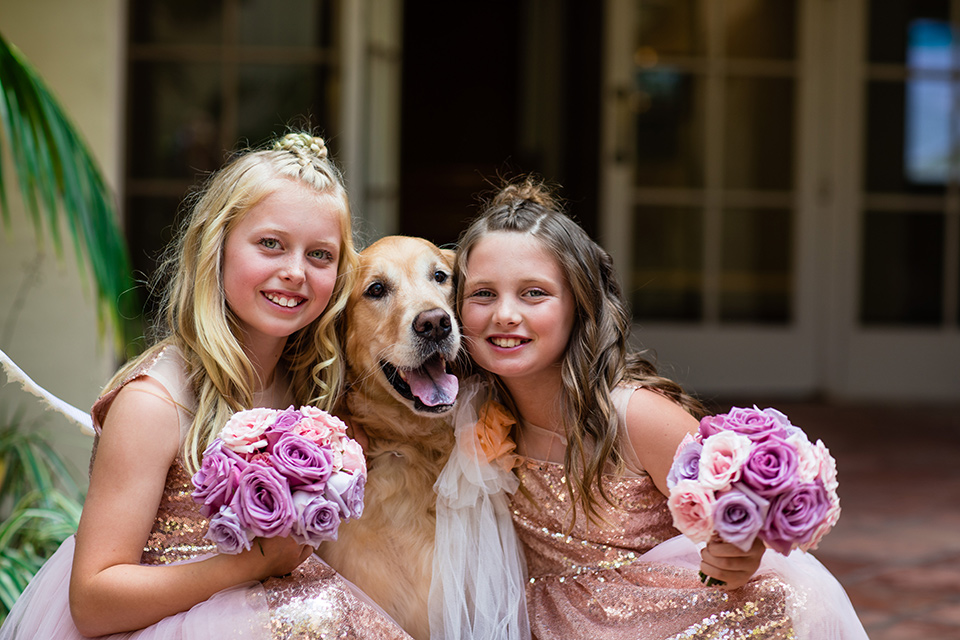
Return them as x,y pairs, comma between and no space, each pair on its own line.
400,328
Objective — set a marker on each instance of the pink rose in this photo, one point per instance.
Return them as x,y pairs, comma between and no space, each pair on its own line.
353,459
319,426
691,505
722,458
808,458
244,431
829,521
336,454
828,468
261,458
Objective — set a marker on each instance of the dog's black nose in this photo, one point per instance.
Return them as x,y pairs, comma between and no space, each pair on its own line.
432,325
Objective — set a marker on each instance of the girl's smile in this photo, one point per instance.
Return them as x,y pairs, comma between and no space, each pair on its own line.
517,308
283,300
506,342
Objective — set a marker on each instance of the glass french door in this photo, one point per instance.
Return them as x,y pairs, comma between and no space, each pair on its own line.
780,192
706,188
898,335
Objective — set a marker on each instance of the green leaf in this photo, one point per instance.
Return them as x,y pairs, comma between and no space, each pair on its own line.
39,504
62,185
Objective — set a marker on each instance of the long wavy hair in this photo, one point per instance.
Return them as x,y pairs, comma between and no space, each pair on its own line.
597,358
194,315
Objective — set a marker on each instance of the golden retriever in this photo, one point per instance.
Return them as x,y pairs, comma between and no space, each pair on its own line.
399,334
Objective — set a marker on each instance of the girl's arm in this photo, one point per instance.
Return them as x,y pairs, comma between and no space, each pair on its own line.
655,427
109,590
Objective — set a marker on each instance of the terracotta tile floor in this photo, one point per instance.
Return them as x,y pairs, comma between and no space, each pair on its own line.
896,549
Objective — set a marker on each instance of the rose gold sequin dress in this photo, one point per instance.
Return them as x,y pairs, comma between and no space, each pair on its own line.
593,584
314,602
634,577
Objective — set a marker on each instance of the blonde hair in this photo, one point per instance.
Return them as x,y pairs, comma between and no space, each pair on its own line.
597,358
194,315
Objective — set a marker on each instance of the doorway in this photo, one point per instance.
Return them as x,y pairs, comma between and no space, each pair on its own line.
756,194
494,90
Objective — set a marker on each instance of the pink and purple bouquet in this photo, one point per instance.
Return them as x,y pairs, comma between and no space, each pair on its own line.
750,473
273,473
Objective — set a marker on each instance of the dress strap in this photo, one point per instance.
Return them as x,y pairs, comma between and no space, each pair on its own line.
167,367
621,398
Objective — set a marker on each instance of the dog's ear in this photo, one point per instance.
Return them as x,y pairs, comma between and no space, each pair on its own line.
450,256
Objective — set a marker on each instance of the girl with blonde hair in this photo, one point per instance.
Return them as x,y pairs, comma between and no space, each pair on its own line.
256,281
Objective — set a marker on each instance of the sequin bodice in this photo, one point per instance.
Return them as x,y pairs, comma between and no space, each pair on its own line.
641,522
592,581
179,527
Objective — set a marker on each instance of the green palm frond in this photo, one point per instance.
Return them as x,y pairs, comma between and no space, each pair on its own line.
40,505
61,182
28,462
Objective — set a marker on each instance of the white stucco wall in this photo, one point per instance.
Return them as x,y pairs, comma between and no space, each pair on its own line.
47,317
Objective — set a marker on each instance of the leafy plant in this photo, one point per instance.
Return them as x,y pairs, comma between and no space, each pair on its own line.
60,182
40,506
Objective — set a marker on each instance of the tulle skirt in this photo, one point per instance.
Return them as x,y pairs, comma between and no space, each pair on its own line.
43,611
817,605
313,602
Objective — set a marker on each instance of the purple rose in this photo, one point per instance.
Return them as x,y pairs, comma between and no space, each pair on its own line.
346,491
286,420
218,478
739,515
795,516
263,502
318,519
302,462
771,468
782,418
755,424
227,533
686,465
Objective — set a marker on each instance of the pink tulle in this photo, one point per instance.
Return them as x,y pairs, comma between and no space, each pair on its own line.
43,611
818,606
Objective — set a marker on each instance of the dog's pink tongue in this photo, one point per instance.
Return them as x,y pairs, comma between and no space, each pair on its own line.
432,384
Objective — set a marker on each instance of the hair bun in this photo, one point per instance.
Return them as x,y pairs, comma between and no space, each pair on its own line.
302,143
529,189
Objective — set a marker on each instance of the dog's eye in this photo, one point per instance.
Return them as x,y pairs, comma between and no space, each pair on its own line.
440,276
375,290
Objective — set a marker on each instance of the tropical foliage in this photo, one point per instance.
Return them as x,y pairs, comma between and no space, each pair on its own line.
39,506
61,185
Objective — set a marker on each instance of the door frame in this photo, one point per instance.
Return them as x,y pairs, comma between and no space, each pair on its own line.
710,357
